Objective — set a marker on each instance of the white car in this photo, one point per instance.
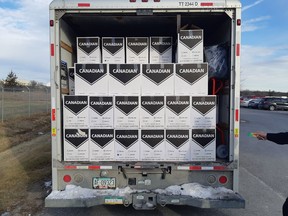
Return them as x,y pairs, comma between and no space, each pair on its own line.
245,102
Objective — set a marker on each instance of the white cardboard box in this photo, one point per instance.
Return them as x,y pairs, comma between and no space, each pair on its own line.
157,79
88,50
124,79
203,145
160,50
71,80
102,146
127,145
152,114
177,112
113,50
152,145
191,79
178,145
190,46
76,144
75,111
126,112
203,112
91,79
137,50
101,112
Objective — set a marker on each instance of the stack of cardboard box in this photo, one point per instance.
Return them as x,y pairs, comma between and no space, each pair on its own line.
133,103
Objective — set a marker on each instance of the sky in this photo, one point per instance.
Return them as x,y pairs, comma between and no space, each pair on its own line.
24,42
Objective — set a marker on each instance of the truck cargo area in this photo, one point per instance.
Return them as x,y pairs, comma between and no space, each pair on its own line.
147,184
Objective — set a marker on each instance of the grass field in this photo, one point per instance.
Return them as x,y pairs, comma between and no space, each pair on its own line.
25,162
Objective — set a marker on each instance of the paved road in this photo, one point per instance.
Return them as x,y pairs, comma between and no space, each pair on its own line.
263,176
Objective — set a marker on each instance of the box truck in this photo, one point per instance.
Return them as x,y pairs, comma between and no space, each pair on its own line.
115,141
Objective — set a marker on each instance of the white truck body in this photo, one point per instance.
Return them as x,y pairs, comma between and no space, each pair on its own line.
221,24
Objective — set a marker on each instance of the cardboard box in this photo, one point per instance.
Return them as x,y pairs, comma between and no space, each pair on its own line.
76,144
113,50
91,79
191,79
75,111
190,46
88,50
124,79
71,80
101,112
152,114
178,112
203,145
160,50
137,50
127,145
152,145
203,112
178,145
157,79
126,112
102,146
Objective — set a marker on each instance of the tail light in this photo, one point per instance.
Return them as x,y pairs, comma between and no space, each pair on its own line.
223,179
67,178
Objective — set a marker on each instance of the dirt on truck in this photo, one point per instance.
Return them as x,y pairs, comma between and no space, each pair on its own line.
25,164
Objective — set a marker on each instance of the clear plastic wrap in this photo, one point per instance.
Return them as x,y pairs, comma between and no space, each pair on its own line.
216,56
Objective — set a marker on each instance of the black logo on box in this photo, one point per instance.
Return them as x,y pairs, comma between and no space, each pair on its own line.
161,44
88,45
152,138
204,104
76,137
113,45
191,73
157,73
203,137
124,73
91,73
177,138
191,38
126,138
152,104
137,45
126,104
75,104
102,137
177,104
101,105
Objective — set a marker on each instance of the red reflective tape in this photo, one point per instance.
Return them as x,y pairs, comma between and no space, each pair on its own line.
52,49
93,167
205,4
219,167
237,115
53,113
195,168
83,4
237,49
70,167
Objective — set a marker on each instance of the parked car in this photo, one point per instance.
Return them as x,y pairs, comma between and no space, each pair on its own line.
254,103
273,103
245,102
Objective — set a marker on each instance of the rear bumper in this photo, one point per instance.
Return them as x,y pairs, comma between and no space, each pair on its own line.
145,201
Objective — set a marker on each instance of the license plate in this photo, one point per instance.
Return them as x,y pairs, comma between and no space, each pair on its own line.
104,183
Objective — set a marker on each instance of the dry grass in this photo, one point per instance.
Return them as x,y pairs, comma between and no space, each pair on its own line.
19,130
24,160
